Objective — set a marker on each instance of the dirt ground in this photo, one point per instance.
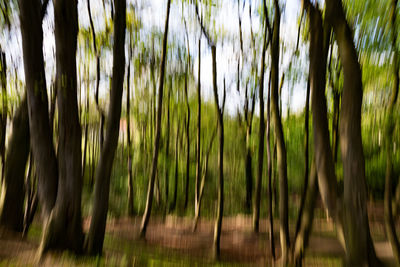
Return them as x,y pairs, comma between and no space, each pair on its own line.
172,239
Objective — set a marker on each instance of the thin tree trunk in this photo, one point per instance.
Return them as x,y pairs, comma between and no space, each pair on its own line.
220,212
95,239
261,132
167,156
173,204
187,137
4,110
359,246
389,221
31,196
269,169
149,200
12,205
281,148
131,211
198,144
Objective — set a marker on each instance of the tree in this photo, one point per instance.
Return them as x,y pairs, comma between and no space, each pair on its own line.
64,227
359,247
261,131
281,148
149,200
95,239
40,133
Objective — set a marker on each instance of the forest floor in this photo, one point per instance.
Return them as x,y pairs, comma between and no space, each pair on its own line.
170,241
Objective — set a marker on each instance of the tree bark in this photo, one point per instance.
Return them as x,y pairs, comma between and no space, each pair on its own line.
281,148
198,144
359,246
269,170
64,229
149,201
39,126
261,136
95,239
12,206
220,209
4,110
187,124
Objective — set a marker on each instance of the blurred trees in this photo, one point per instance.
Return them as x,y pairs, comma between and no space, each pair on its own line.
347,59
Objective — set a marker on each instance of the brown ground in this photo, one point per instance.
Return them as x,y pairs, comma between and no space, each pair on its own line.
174,236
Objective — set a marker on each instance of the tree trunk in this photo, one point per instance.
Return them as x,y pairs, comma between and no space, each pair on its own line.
269,170
187,124
261,137
167,156
39,126
359,246
149,201
4,110
64,229
12,206
173,203
131,210
390,124
220,211
198,145
280,140
95,239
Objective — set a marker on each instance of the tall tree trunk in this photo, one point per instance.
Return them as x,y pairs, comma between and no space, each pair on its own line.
187,124
39,126
12,206
327,182
359,246
149,200
4,110
64,229
269,170
167,156
261,135
280,140
128,135
389,221
220,211
95,239
198,144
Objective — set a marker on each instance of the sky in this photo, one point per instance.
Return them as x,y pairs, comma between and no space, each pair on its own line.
153,15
